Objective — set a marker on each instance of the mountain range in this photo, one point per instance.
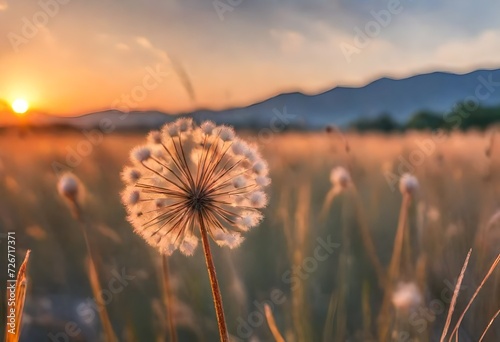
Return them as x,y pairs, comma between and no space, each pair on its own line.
400,98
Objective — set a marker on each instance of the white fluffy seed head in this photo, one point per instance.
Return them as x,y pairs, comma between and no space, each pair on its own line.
140,154
69,187
227,173
407,296
408,184
340,177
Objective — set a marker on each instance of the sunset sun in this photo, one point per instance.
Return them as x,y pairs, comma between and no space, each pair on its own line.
20,106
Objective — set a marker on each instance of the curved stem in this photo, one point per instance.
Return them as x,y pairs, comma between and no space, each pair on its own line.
219,310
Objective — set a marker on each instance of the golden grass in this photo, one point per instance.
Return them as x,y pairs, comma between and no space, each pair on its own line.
455,297
21,287
272,324
458,180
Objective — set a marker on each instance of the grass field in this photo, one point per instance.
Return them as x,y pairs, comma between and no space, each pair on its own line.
315,272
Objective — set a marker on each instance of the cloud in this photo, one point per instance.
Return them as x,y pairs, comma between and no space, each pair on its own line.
122,46
3,5
483,49
290,41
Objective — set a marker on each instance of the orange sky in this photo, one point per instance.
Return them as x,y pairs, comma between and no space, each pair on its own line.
90,55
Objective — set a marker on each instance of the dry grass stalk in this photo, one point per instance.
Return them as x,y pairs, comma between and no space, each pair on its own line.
454,298
488,274
103,314
72,190
368,241
272,324
394,267
489,325
21,286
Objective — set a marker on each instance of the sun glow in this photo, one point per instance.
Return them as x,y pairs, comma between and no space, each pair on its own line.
20,106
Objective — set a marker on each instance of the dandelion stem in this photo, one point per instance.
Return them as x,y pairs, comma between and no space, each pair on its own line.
394,268
219,310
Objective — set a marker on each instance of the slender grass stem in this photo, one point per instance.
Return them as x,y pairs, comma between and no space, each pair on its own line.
394,268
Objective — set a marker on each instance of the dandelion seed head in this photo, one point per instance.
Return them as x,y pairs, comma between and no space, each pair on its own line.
407,296
69,186
408,184
206,176
340,177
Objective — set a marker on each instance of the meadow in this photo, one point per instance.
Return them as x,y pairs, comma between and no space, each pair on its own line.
311,267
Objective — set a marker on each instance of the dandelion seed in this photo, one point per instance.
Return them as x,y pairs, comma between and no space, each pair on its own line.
340,177
239,182
263,180
140,154
260,168
130,175
171,130
239,147
185,124
154,137
248,219
258,199
207,127
408,184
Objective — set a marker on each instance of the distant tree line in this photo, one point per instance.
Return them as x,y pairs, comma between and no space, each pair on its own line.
462,117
